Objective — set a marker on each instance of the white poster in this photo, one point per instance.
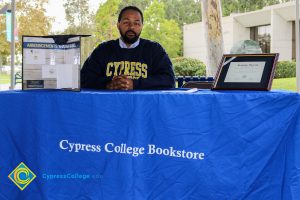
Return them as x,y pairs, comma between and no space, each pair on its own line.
245,72
35,56
65,75
49,71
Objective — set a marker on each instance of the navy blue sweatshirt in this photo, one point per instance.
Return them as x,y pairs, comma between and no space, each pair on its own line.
148,65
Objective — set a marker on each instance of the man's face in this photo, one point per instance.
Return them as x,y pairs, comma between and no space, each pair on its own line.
130,26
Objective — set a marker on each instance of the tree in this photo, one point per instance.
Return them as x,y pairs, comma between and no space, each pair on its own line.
141,4
106,20
183,12
33,12
30,11
77,13
162,30
211,15
5,49
80,21
238,6
170,21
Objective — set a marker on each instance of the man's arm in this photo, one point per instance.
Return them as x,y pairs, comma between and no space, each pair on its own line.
162,76
92,76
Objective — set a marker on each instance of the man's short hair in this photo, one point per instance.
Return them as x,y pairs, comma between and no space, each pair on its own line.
130,8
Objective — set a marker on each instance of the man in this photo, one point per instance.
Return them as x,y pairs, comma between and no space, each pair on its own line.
129,62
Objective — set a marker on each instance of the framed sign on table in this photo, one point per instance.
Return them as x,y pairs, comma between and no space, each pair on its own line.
246,72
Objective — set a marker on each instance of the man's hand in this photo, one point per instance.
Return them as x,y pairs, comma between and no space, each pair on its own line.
121,82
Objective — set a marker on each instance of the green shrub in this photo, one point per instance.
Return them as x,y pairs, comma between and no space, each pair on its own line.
193,67
285,69
188,67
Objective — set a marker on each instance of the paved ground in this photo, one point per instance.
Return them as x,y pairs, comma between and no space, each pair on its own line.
6,87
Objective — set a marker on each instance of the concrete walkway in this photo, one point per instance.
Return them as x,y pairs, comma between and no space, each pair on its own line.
6,87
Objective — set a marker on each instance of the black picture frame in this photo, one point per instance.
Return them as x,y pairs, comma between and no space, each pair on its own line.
246,72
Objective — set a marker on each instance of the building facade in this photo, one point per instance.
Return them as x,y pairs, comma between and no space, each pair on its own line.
273,27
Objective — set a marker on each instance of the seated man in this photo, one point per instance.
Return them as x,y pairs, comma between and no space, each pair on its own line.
129,62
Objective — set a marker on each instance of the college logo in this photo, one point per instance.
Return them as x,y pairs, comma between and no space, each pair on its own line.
22,176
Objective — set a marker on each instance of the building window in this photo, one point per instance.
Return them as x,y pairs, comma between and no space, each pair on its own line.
262,34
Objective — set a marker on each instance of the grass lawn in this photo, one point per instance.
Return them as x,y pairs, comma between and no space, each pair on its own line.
285,84
4,78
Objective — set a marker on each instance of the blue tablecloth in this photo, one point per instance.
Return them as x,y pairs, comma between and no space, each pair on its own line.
150,145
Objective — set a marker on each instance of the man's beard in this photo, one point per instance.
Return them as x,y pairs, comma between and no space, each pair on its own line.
128,40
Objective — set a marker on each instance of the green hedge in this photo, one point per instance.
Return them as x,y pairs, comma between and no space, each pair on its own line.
285,69
188,67
193,67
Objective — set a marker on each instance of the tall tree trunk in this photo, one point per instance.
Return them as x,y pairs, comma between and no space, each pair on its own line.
211,16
